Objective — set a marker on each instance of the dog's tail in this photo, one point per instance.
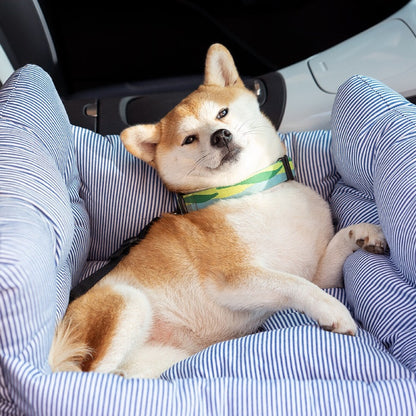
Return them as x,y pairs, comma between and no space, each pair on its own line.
68,352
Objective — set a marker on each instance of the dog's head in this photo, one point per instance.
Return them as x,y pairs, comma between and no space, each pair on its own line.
216,136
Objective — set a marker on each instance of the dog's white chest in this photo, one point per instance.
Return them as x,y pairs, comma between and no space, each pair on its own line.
286,228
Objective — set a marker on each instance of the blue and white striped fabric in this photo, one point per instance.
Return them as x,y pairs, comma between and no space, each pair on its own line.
376,156
48,242
314,163
121,193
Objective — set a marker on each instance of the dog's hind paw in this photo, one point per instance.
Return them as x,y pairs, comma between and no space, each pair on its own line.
369,237
350,329
333,316
343,325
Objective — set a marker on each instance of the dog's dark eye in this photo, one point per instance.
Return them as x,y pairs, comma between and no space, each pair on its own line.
222,113
189,139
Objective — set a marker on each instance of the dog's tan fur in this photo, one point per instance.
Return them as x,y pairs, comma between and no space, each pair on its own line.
217,273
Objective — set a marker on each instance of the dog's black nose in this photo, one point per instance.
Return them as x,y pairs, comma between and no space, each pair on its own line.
221,138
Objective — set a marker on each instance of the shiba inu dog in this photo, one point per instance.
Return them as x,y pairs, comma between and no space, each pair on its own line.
261,242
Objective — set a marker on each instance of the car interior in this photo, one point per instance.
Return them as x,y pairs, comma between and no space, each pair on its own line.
120,65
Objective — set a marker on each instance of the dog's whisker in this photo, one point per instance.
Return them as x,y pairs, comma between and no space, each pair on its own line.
251,127
197,163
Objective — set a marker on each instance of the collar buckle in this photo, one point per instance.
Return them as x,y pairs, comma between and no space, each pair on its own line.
286,164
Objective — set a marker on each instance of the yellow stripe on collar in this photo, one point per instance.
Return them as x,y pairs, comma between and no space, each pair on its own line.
281,171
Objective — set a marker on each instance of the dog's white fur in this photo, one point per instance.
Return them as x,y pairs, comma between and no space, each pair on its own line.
217,273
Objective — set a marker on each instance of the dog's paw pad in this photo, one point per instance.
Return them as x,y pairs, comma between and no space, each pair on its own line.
328,328
378,248
342,323
343,328
369,237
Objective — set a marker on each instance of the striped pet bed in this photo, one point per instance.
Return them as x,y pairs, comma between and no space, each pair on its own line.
69,197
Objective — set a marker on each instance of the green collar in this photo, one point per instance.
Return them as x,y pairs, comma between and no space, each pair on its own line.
281,171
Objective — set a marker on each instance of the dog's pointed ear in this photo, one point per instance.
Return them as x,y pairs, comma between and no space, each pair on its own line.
220,69
141,141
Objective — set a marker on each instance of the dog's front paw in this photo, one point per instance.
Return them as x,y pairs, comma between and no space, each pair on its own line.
369,237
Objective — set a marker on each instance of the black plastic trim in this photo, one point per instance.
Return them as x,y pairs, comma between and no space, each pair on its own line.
116,113
275,97
27,37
